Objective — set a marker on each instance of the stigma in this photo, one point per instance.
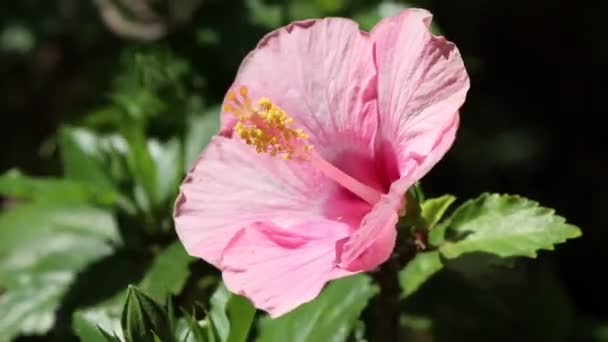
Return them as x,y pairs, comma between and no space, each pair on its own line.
267,127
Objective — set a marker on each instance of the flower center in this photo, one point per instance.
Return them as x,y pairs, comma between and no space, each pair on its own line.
267,127
270,129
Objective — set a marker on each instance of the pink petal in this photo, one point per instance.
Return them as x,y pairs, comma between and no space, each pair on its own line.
322,73
373,243
231,186
280,269
422,83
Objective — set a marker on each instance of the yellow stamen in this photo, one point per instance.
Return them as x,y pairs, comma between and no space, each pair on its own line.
267,127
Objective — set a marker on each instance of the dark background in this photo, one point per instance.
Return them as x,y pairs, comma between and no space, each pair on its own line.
533,123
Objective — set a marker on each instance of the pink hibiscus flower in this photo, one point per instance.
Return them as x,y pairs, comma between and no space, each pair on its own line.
322,133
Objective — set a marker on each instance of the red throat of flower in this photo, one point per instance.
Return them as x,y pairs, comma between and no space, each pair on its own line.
270,129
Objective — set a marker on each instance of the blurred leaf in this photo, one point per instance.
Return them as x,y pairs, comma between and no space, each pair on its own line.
207,36
601,333
147,70
417,192
17,39
105,315
264,14
108,116
303,9
88,331
200,130
231,314
330,6
38,243
143,318
434,208
139,104
158,67
51,190
419,270
192,330
82,158
168,274
329,317
506,226
142,167
368,17
183,331
167,157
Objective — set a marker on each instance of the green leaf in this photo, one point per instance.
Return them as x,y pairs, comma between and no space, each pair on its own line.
231,314
88,331
264,14
302,9
39,243
168,274
200,130
434,208
139,103
171,314
143,318
369,16
419,270
142,167
329,317
106,316
167,158
189,329
82,158
505,225
52,190
330,6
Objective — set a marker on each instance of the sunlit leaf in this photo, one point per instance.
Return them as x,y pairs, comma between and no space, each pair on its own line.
14,184
39,243
419,270
200,129
167,157
505,225
88,331
82,157
433,209
166,276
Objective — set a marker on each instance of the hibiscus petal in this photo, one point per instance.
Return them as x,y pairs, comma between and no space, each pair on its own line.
232,186
373,243
422,83
322,73
280,269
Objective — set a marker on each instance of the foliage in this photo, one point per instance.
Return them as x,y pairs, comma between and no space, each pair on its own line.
87,249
